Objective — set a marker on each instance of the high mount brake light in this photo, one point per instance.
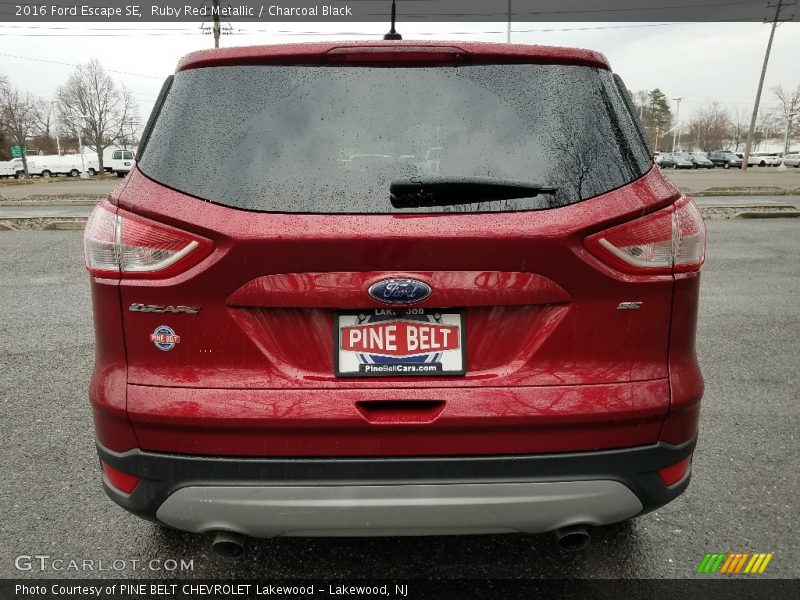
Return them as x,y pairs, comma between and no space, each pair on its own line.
670,240
395,54
118,243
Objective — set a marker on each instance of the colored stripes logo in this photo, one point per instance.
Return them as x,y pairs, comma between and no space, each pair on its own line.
731,563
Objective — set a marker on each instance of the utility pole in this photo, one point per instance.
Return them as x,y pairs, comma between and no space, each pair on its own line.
217,24
508,28
215,16
677,123
752,129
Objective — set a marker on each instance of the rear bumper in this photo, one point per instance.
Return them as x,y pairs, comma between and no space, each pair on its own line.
266,497
412,509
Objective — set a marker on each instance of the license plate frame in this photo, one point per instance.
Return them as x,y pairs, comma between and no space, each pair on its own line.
400,366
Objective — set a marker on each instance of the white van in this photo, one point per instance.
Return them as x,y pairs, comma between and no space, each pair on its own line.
122,161
10,168
48,165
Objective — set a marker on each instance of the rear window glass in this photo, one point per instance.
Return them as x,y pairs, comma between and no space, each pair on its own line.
331,139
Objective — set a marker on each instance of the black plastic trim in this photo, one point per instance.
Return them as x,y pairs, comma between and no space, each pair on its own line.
163,474
151,121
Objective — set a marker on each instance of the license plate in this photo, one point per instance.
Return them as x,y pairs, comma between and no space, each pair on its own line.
395,342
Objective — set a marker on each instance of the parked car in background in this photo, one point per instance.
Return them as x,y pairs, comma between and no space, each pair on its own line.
700,160
664,160
725,159
121,162
792,160
281,342
764,159
681,160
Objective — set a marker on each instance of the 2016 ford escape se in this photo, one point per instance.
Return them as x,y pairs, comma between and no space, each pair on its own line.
394,288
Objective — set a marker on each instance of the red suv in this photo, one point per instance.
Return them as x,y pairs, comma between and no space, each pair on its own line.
394,288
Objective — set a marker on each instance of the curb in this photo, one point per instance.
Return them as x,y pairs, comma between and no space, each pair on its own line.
55,202
46,180
748,191
65,226
43,223
788,214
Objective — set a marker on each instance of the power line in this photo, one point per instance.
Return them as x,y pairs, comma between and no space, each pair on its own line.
66,64
689,6
289,32
480,32
88,35
71,27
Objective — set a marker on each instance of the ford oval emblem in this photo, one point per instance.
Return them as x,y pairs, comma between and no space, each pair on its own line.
400,291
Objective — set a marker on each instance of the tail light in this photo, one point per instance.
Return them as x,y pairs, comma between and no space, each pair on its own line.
124,482
667,241
674,473
117,243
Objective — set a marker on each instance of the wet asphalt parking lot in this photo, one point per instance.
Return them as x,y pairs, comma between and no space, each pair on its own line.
744,493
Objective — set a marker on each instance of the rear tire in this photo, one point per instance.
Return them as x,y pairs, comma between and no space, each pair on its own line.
19,175
46,173
762,164
92,172
74,173
727,166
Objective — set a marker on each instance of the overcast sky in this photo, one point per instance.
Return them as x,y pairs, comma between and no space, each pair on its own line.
701,62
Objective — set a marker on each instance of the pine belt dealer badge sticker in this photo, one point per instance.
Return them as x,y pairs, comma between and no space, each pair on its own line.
164,338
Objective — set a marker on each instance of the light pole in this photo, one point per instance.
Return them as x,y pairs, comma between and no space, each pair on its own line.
677,123
508,26
84,174
55,126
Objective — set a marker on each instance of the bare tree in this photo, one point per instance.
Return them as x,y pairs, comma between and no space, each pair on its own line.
711,126
17,110
91,102
43,118
44,122
739,127
788,102
768,126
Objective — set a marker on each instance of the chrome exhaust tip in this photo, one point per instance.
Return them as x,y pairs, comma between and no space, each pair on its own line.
573,538
228,544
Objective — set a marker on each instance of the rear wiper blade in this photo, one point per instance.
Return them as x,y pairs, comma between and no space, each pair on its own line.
416,192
